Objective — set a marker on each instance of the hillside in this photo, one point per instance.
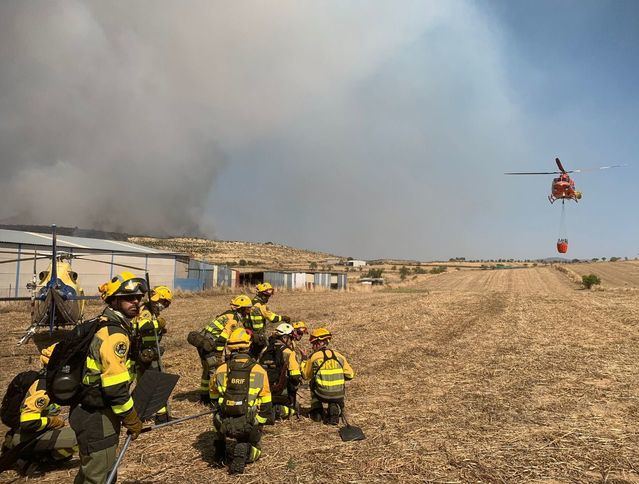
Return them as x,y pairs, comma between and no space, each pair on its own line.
266,254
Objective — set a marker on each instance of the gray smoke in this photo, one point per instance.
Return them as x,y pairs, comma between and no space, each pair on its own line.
119,115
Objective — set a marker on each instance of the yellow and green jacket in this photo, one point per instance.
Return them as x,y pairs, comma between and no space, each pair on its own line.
261,314
149,327
108,366
259,391
221,327
36,408
328,371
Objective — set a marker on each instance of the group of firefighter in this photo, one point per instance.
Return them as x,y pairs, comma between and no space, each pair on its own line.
253,362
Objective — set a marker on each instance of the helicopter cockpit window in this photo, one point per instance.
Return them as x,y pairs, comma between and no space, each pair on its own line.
43,275
73,276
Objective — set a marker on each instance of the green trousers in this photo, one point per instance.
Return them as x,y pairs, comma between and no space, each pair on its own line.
98,433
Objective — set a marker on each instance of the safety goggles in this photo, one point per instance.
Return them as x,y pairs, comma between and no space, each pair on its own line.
135,286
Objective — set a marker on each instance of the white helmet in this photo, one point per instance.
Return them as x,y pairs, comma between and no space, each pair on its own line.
284,329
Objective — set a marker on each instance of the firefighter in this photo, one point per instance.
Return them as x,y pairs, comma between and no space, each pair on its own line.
299,330
149,328
327,371
283,371
106,402
242,399
211,340
261,315
33,413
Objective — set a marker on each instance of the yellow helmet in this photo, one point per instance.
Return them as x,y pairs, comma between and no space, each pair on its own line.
241,301
124,283
264,287
300,326
320,334
240,339
161,293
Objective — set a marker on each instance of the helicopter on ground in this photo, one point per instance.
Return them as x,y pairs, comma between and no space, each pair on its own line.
563,186
57,298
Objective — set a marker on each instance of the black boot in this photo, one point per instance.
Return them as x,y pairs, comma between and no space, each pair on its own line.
240,454
316,413
161,418
219,457
205,398
333,413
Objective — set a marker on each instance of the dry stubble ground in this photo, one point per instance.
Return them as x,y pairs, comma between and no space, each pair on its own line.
472,376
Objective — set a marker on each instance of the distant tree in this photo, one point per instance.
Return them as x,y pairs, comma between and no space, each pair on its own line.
614,259
394,268
313,265
242,262
349,258
438,270
403,272
419,270
590,280
625,258
595,259
374,273
574,261
603,259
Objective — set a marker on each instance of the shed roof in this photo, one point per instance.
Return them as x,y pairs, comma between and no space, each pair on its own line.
82,243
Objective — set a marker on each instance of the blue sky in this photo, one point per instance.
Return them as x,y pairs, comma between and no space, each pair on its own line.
367,129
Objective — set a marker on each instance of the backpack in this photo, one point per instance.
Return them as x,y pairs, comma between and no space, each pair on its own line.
272,360
238,383
13,398
66,365
324,391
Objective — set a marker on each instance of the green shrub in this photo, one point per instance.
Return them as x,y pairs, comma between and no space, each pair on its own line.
403,272
590,280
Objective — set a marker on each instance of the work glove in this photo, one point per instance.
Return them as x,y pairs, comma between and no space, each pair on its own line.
161,323
286,319
55,422
133,424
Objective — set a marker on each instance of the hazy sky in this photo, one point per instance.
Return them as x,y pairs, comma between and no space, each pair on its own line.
364,128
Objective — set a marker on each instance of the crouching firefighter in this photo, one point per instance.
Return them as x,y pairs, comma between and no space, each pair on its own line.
210,342
261,315
284,374
105,401
242,399
149,327
327,371
34,421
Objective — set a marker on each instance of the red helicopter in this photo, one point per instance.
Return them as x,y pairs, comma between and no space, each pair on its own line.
563,187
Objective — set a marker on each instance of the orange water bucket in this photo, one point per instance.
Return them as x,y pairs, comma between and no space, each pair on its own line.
562,246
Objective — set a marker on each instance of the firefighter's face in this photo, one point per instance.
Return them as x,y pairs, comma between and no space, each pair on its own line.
129,305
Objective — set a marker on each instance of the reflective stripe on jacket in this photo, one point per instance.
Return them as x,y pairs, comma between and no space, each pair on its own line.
108,365
259,390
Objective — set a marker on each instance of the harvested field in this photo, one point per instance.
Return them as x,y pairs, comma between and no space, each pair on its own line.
612,274
469,376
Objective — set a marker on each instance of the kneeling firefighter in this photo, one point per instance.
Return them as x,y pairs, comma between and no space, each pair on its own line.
149,328
105,401
242,399
284,374
261,315
327,371
31,416
210,342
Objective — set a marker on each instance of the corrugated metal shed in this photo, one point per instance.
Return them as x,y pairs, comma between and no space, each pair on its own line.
78,244
98,261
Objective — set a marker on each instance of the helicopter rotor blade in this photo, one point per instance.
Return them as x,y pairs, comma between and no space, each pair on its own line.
111,263
560,166
19,298
596,168
22,260
533,173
